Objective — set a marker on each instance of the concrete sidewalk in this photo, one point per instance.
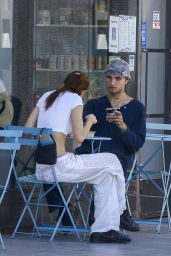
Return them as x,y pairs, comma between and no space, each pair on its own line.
144,243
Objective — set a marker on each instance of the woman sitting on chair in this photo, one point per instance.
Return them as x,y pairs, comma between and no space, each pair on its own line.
61,110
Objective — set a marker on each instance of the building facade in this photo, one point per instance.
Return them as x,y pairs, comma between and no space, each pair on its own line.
41,41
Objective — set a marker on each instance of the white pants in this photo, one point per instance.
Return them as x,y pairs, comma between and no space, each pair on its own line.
105,172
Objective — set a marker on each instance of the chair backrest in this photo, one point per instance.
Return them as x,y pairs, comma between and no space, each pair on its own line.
32,134
29,139
11,148
158,135
155,128
158,132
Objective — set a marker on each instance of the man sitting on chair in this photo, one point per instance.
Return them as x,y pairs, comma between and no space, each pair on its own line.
126,127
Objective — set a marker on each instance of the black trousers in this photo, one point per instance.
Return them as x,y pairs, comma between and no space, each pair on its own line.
53,197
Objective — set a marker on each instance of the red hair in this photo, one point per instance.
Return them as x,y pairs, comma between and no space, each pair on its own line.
75,82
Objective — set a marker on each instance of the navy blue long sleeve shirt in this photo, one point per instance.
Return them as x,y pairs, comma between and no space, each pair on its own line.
123,144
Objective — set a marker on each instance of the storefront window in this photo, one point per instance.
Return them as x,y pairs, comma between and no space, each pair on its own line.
74,35
70,35
55,37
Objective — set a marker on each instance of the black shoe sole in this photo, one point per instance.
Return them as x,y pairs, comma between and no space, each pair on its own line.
131,229
101,240
108,242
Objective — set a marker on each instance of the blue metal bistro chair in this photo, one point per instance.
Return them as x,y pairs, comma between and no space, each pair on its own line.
11,147
25,166
132,174
35,208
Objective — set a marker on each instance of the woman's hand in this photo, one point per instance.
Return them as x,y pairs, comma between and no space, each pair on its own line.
91,118
117,119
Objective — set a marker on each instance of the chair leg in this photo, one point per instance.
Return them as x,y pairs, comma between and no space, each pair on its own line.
88,214
165,203
38,209
66,208
80,191
27,207
77,196
2,242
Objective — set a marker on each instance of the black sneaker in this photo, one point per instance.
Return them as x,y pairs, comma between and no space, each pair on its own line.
90,219
110,236
91,214
127,223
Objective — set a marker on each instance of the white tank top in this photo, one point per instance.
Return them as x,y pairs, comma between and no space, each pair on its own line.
58,116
